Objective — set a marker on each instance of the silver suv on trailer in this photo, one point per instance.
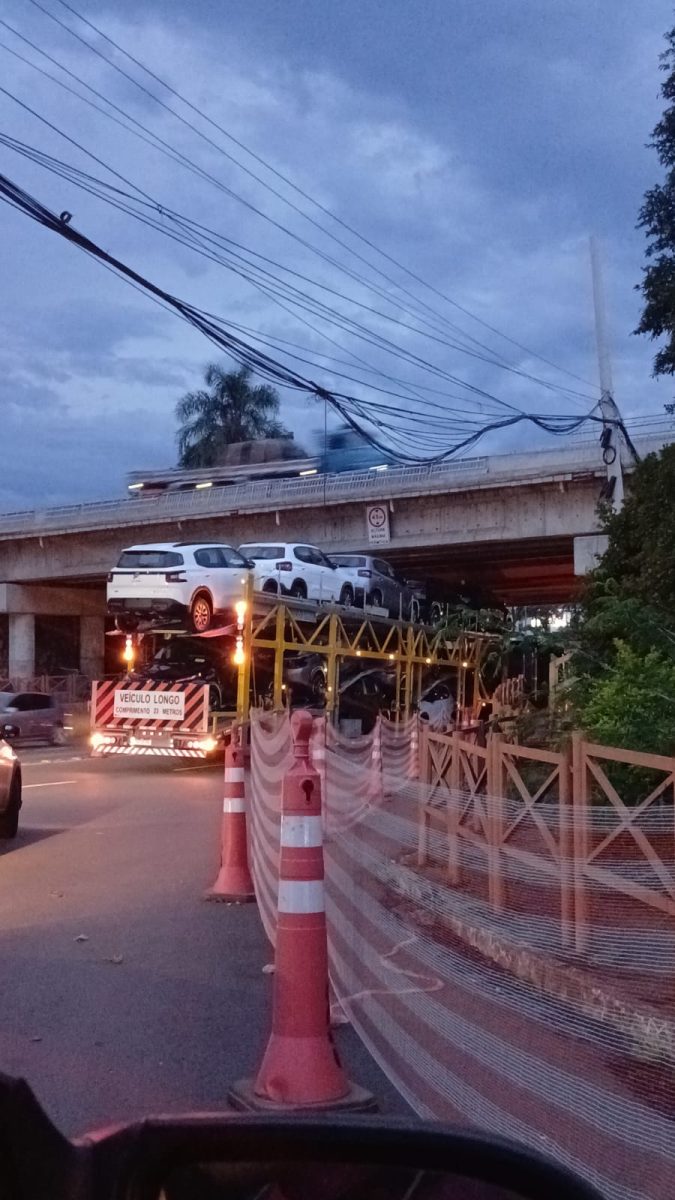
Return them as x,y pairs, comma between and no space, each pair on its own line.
382,587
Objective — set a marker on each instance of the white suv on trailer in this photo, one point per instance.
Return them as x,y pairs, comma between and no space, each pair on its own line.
177,582
297,569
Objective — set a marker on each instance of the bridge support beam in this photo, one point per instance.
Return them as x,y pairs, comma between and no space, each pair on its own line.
21,649
24,602
92,645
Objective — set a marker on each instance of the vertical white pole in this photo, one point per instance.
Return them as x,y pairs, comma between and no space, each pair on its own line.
612,439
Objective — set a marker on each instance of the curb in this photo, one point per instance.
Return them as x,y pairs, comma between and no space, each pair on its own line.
652,1036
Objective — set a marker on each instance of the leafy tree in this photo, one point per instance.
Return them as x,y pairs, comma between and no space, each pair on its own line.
633,704
641,552
229,410
630,597
657,218
623,686
609,615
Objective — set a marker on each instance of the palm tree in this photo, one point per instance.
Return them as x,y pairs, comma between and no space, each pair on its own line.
230,410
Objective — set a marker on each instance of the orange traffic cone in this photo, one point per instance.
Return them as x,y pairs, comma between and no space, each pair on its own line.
300,1067
234,881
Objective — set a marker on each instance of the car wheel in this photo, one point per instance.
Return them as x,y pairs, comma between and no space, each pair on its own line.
414,610
298,590
59,736
347,595
435,612
9,821
319,687
126,623
201,612
270,586
376,599
215,698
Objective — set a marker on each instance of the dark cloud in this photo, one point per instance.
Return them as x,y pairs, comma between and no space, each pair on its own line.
59,458
480,147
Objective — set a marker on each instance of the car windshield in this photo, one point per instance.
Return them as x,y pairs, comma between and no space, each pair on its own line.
149,559
348,560
321,270
180,655
262,552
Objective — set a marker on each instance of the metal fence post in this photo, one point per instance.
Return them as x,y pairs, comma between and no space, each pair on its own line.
422,818
494,799
580,841
566,826
453,809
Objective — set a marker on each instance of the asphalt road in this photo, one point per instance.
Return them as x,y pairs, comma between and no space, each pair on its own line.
121,991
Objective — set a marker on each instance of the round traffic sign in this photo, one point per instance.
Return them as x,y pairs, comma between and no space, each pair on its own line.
377,516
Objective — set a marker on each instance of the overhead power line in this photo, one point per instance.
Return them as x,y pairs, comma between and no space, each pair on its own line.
298,298
360,415
152,139
291,184
260,277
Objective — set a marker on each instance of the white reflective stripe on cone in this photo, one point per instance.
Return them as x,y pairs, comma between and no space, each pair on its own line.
301,831
234,804
234,775
301,896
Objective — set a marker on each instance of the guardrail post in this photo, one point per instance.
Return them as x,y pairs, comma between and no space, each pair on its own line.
580,841
566,826
422,815
453,809
425,761
494,801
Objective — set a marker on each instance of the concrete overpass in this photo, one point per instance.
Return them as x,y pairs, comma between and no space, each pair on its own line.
506,523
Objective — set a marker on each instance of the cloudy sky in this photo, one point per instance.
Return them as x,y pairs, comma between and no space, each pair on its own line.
476,142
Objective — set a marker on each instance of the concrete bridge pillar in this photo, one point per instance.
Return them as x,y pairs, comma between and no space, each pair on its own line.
23,603
21,649
92,646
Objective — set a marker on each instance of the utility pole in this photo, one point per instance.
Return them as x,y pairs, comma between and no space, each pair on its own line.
611,438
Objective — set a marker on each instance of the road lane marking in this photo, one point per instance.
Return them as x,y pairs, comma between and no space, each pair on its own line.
53,783
202,767
41,762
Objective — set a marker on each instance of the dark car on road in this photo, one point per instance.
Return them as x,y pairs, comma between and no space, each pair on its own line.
32,716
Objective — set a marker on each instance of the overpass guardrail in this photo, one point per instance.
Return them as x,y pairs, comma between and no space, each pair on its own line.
309,491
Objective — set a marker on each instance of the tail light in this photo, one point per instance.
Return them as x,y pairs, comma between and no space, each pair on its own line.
176,577
111,576
284,566
364,573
